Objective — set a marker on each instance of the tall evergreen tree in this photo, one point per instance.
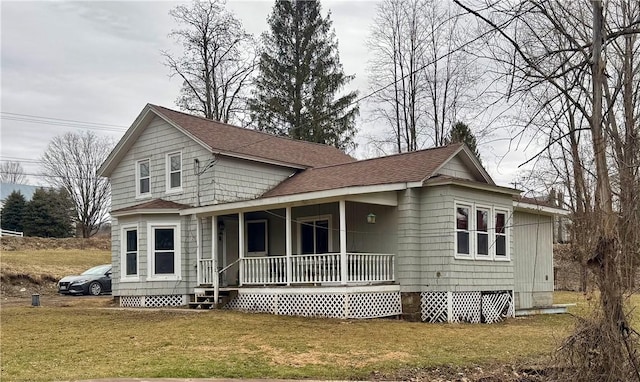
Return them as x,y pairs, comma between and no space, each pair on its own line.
49,214
300,76
461,133
13,211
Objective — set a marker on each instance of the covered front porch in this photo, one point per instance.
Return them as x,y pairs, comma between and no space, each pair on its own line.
326,244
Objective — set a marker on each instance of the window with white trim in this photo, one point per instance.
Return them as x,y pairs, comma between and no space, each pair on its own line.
463,242
143,178
482,231
257,237
314,235
164,251
129,262
174,171
501,234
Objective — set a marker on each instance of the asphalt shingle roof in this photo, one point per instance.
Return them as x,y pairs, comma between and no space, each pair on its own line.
237,140
408,167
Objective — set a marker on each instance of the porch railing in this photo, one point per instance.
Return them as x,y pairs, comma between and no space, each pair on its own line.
320,268
370,267
206,273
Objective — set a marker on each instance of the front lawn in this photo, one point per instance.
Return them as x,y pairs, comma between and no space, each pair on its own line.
67,343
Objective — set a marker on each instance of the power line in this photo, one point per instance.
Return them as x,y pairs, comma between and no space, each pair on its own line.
37,119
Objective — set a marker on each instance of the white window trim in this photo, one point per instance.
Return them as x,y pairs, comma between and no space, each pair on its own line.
470,231
491,229
177,257
140,195
507,238
312,219
489,255
123,253
173,190
266,237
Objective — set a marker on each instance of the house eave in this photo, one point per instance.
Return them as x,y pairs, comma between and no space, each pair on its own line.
539,209
347,193
145,211
471,184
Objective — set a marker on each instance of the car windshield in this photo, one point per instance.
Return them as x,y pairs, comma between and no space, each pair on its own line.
99,270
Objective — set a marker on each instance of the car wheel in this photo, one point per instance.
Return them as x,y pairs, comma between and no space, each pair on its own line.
95,288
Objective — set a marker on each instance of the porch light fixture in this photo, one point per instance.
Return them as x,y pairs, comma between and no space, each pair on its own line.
371,218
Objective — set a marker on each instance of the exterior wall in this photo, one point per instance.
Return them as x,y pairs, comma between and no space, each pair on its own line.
457,169
372,238
227,180
482,274
315,210
409,253
533,260
143,286
426,235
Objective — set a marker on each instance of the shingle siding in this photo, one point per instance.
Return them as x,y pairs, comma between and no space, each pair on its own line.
229,179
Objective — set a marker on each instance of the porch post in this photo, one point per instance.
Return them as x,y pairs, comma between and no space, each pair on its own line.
214,257
288,250
241,247
343,243
199,269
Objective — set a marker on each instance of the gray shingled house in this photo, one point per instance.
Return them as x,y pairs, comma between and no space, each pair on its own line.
210,214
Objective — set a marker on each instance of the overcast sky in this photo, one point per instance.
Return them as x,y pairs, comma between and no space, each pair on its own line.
100,63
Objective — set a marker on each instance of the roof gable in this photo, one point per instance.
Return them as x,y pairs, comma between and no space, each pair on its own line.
416,166
225,139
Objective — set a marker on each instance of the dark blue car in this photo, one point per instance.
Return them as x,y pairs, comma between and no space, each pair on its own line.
94,281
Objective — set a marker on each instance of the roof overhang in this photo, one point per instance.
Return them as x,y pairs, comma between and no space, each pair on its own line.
145,211
383,194
442,181
538,209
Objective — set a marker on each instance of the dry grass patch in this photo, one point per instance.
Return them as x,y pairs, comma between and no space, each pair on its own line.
80,343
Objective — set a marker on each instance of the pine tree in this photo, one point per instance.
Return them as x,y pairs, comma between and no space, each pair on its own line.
300,76
48,214
13,211
460,133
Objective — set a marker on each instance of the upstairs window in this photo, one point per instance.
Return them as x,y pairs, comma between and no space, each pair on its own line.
174,172
143,181
482,231
462,230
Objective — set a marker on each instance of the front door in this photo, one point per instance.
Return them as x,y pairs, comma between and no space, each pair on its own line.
315,236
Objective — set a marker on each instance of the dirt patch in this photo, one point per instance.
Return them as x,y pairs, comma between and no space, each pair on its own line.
490,373
8,243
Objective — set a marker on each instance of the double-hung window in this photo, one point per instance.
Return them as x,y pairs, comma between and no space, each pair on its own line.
315,235
164,251
143,178
501,234
129,261
463,244
482,232
257,237
174,172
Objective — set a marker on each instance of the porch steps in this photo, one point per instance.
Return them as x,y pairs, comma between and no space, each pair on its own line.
204,298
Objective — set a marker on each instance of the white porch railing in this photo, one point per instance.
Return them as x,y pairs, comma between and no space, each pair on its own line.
265,270
7,232
370,267
207,275
321,268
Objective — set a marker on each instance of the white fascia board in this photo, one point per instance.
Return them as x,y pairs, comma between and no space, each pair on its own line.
296,199
471,184
538,209
145,211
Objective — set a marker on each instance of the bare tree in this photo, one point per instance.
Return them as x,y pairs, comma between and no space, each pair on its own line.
12,172
417,49
579,61
70,162
217,62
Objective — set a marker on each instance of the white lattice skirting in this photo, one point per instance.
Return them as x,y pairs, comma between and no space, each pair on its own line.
172,300
473,307
321,304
